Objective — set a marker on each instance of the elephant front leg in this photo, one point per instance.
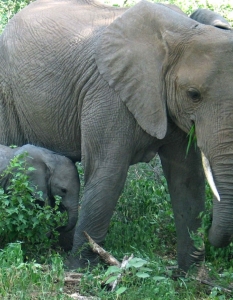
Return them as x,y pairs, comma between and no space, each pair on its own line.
102,190
186,186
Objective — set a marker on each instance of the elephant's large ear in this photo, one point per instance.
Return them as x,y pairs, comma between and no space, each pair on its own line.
130,55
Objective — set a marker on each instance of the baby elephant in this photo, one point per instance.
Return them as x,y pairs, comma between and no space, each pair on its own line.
53,175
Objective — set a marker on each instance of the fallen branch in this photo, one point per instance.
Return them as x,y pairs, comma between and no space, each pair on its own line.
206,282
201,278
106,256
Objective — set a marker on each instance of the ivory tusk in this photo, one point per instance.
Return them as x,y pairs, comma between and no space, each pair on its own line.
209,175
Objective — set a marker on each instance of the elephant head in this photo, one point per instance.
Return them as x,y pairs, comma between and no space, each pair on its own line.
53,175
174,67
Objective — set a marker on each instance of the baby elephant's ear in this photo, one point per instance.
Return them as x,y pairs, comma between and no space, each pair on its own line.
39,177
130,55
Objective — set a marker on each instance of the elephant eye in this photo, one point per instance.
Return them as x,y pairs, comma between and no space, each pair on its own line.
194,94
63,190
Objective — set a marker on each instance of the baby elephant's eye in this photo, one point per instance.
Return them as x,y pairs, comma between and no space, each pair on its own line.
63,190
194,94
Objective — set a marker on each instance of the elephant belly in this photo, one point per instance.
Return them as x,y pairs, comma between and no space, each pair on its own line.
59,134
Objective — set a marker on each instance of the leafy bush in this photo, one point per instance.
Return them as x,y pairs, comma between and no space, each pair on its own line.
21,217
8,8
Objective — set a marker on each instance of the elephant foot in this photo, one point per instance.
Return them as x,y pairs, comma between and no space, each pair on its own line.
82,257
65,240
75,262
191,259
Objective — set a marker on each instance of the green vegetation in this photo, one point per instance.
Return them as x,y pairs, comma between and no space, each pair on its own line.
22,218
25,281
8,8
142,225
192,139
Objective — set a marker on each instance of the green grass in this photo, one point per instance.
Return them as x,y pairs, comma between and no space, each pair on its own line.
20,280
142,224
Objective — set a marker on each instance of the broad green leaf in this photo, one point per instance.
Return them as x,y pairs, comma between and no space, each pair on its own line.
142,269
121,290
111,279
136,262
112,269
142,275
159,278
31,169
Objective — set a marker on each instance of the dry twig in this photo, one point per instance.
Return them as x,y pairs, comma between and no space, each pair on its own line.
202,277
106,256
212,284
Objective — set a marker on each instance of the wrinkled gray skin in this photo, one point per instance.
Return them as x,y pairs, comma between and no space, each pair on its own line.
113,87
209,17
54,175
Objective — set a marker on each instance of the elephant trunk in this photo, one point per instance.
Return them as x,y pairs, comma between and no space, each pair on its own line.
221,231
72,219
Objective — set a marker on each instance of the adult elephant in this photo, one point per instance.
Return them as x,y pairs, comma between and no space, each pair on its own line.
113,87
53,175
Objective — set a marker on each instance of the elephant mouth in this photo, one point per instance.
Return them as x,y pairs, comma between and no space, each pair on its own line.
62,208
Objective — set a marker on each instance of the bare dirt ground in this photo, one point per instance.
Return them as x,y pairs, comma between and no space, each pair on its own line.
71,289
